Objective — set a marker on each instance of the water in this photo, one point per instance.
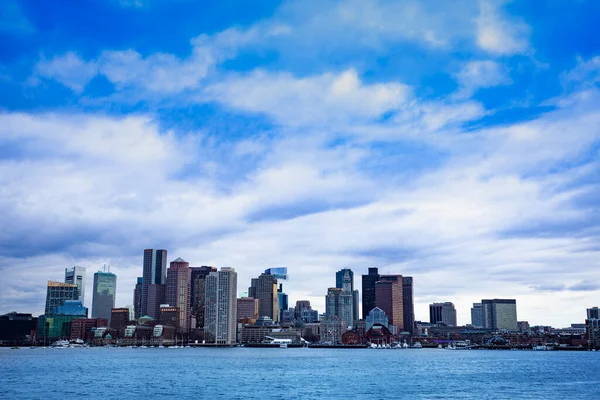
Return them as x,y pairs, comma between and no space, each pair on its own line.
297,374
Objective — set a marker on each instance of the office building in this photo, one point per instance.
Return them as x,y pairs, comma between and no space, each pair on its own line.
220,325
408,304
247,308
368,291
156,297
154,273
347,274
389,298
16,328
58,292
309,316
442,313
332,328
499,314
71,307
119,319
137,298
103,297
198,293
170,316
179,276
338,302
264,288
477,315
592,333
301,305
593,313
76,276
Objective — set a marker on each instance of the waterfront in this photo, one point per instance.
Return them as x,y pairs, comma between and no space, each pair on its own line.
297,373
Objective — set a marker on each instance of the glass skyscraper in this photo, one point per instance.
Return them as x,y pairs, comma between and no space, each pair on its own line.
76,276
155,273
103,298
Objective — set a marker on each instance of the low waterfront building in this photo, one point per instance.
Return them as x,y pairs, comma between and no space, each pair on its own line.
17,328
351,338
81,328
332,329
312,332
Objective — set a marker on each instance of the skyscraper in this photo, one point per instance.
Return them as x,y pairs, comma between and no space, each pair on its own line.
338,303
103,297
477,315
593,313
388,297
368,291
408,304
264,288
247,308
154,273
339,283
179,277
221,307
57,293
499,314
137,298
198,293
281,274
76,276
443,313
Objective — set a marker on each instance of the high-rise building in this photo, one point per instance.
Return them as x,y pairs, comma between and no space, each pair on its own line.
137,298
477,315
339,283
368,291
198,293
408,304
301,305
264,288
282,299
221,307
247,308
57,293
339,302
593,313
103,297
499,314
442,313
76,276
156,297
154,273
179,276
389,298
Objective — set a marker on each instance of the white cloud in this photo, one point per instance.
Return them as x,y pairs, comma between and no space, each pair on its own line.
68,69
327,99
98,190
585,74
482,74
499,34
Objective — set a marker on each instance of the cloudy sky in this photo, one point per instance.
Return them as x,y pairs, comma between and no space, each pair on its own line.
455,142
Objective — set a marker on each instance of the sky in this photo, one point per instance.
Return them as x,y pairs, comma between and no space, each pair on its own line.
454,142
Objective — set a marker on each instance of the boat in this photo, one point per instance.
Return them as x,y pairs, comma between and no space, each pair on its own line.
283,343
540,347
417,345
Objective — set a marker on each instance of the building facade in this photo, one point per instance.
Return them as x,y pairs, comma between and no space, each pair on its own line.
442,313
408,304
593,313
198,293
154,273
264,288
499,314
58,292
477,315
247,308
389,298
137,298
179,276
103,296
368,291
76,276
221,307
339,303
345,275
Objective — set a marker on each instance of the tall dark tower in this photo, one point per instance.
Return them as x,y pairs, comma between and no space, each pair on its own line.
408,304
155,273
368,291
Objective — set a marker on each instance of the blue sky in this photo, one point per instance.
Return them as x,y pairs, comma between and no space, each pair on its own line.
456,142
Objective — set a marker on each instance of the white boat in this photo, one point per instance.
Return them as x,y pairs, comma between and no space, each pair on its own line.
283,343
417,345
540,347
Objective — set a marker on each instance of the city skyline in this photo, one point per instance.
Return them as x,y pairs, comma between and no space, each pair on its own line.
453,142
